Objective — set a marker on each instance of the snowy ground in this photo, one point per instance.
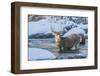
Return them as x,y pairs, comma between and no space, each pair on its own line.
40,54
49,45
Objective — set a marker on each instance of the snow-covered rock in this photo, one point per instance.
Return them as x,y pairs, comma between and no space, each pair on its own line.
74,31
40,54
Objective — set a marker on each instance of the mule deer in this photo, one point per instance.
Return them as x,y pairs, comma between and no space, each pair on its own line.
78,31
67,43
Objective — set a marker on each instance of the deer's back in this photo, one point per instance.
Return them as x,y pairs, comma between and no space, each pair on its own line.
69,41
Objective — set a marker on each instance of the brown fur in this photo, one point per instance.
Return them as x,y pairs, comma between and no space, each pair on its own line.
72,40
67,43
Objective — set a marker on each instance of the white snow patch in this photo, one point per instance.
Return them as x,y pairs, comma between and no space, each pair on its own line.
40,54
74,31
38,27
82,26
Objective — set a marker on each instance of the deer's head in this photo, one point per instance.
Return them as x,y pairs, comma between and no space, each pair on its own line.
57,34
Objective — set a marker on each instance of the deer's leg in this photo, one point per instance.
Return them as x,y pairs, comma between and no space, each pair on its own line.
74,47
77,44
60,49
83,39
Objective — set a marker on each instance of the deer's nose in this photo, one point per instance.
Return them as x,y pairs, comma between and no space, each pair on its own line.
58,39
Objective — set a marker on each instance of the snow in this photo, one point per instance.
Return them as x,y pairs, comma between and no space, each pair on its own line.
70,23
40,54
76,30
83,26
38,27
43,26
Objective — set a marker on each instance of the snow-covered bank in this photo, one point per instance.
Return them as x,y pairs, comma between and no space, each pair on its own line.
40,54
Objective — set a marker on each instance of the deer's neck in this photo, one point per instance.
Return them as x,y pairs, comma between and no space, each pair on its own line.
58,41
